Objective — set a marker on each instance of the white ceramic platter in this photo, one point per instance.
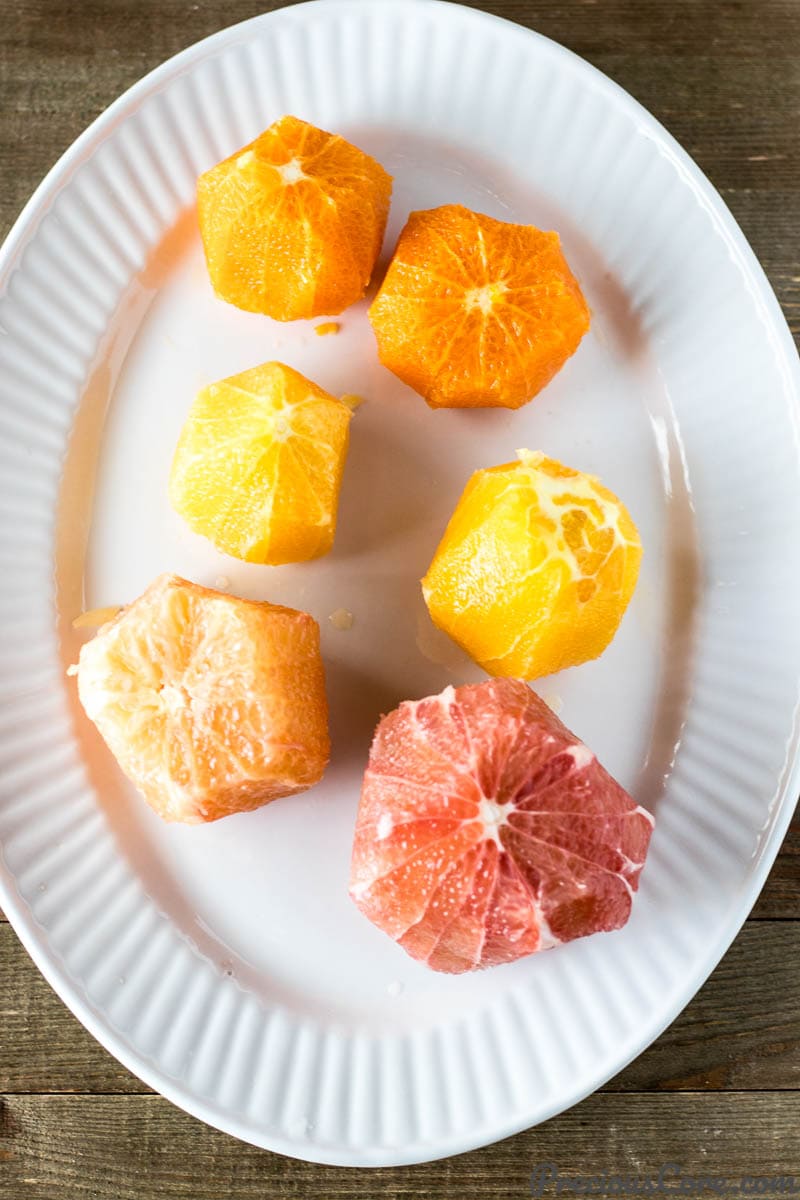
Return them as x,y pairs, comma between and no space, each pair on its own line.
225,965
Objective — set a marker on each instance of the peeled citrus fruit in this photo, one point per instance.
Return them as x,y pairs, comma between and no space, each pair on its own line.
486,830
535,569
292,223
210,704
259,463
475,312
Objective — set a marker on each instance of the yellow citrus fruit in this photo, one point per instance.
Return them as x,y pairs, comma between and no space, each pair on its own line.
535,569
292,224
475,312
210,704
259,463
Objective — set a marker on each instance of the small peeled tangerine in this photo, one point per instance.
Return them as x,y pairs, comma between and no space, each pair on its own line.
259,464
292,224
477,313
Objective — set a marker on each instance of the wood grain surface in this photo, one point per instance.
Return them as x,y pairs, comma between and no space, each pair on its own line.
719,1092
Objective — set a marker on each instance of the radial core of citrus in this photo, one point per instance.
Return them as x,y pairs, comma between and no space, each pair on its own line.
535,569
211,704
487,831
259,463
292,224
475,312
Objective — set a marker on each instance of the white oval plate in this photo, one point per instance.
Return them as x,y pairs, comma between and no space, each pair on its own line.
225,965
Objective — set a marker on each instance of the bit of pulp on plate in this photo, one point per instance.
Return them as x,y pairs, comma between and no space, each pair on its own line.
327,327
341,618
438,648
351,401
96,617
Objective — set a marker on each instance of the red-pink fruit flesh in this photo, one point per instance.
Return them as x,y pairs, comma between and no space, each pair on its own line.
487,831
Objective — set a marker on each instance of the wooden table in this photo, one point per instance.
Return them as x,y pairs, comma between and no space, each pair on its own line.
719,1092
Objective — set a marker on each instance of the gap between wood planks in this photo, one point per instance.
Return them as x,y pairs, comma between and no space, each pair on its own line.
140,1147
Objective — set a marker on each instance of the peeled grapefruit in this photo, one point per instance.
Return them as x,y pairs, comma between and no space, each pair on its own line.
487,831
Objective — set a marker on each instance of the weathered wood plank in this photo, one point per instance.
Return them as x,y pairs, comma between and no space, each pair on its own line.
742,1031
736,123
781,894
43,1048
684,29
726,73
136,1147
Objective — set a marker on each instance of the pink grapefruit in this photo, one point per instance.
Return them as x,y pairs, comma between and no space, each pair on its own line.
487,831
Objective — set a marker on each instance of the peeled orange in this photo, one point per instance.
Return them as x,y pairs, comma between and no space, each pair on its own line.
259,463
210,704
292,223
475,312
487,831
535,569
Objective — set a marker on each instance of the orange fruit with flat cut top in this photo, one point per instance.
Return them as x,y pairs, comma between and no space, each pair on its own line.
535,569
259,463
477,313
210,704
292,224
